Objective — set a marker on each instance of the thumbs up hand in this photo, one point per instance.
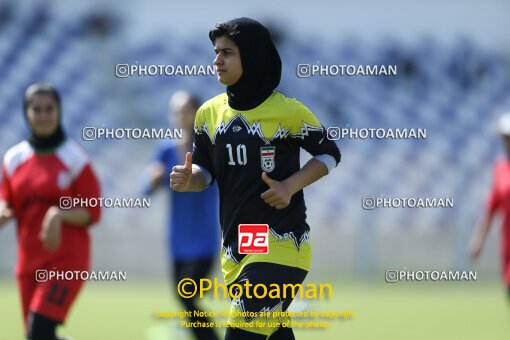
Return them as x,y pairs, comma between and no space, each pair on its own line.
278,195
180,177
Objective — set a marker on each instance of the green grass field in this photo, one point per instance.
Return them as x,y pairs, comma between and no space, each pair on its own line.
125,310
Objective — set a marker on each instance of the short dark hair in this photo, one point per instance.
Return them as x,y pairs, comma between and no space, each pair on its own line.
223,29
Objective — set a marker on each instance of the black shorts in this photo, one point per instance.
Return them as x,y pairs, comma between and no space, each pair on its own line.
258,307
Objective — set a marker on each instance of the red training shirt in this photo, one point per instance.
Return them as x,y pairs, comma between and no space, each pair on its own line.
32,183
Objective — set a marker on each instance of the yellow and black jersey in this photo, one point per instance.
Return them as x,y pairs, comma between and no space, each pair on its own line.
235,147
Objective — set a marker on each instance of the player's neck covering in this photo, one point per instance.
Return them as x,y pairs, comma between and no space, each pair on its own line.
47,143
262,66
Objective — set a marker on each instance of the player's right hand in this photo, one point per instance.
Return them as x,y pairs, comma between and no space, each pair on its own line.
51,230
6,213
180,178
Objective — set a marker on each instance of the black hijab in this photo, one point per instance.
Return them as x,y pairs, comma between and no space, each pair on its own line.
39,143
262,66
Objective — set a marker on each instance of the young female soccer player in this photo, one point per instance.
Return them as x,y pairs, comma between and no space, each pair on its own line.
36,174
190,257
498,202
249,140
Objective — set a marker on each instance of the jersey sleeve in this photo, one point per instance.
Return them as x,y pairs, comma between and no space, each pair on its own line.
160,156
202,147
87,186
159,159
5,189
308,133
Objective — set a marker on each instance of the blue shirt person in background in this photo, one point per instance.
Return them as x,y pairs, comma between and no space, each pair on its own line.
193,222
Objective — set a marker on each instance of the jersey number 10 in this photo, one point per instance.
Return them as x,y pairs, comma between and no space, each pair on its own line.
242,159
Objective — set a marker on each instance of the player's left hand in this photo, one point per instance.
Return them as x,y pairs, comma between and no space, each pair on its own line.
278,196
51,231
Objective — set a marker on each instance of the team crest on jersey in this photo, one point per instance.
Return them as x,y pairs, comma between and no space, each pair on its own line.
63,180
267,154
